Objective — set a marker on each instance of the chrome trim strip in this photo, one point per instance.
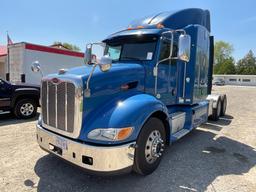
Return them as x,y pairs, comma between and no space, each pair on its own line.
47,101
184,80
66,107
105,159
4,112
78,106
56,106
4,99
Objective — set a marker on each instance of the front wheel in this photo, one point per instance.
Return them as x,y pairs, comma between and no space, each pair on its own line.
150,146
25,108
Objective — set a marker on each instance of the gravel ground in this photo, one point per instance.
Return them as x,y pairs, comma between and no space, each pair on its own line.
218,156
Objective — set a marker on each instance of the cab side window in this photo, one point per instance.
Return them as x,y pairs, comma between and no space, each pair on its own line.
114,52
165,50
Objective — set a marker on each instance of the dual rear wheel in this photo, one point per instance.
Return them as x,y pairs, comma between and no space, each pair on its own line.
220,109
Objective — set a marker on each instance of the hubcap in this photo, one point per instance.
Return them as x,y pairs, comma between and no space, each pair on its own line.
154,146
27,109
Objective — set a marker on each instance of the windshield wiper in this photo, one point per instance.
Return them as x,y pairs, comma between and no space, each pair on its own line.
131,58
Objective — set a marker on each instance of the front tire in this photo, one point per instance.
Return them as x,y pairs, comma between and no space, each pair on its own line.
25,108
150,146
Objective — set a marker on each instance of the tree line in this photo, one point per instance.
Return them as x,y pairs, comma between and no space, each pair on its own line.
67,46
224,62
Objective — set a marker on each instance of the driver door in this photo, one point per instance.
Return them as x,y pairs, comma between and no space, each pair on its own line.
167,75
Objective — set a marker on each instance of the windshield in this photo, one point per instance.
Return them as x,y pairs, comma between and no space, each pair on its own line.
125,49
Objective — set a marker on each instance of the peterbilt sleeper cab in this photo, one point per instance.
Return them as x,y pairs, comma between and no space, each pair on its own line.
151,87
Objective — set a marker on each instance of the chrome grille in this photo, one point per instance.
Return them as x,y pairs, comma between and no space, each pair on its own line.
61,107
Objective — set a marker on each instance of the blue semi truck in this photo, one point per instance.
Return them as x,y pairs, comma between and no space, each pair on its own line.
151,87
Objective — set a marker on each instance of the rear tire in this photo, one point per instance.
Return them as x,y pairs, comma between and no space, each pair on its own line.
223,105
150,147
25,108
216,111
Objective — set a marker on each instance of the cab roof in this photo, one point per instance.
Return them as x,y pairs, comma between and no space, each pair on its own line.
146,31
157,23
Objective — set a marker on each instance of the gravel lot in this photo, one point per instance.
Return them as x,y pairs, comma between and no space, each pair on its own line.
215,157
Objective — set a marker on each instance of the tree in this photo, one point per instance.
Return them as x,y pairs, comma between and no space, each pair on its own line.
223,61
227,66
67,45
222,50
247,65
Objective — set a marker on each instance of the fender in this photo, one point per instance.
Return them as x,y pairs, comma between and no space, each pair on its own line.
214,98
23,92
131,111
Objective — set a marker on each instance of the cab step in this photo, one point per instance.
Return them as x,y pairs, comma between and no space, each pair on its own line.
179,134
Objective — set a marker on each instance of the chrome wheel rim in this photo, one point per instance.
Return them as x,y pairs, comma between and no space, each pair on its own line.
154,146
27,109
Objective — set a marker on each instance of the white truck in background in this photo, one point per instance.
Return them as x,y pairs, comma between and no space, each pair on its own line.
22,55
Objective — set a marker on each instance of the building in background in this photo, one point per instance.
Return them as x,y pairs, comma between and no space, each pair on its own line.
22,55
3,61
245,80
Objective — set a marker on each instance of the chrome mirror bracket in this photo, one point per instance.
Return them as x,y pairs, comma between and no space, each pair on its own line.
87,93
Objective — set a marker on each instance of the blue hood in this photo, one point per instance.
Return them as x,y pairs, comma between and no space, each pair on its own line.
119,74
105,88
124,68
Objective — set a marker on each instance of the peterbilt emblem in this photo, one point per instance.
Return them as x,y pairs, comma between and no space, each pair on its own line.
55,81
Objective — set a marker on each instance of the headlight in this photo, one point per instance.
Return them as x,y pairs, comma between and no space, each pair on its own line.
110,134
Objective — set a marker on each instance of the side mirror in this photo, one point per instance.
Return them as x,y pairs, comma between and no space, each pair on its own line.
184,47
105,63
88,54
35,67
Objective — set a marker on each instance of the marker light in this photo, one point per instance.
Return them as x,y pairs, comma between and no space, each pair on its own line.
110,134
124,133
129,27
159,26
140,27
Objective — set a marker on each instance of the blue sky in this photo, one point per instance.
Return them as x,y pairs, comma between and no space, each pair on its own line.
82,21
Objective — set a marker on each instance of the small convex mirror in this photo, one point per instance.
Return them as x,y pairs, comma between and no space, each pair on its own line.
88,54
35,67
105,63
184,47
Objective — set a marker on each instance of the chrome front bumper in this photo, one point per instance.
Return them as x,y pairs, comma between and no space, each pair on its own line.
93,158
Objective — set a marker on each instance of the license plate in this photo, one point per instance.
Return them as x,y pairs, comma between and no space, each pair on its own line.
61,143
